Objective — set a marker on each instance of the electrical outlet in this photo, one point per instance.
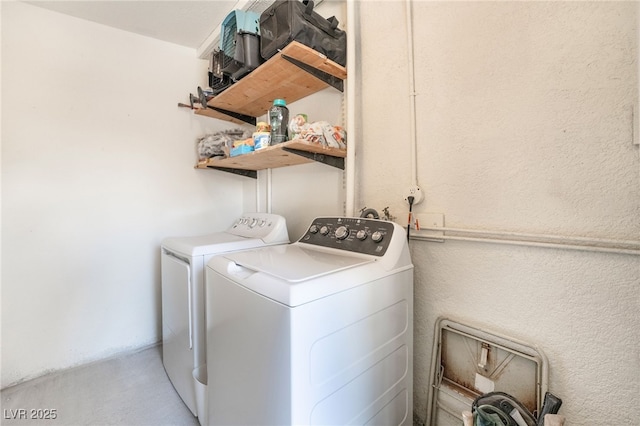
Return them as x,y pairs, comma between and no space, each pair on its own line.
416,193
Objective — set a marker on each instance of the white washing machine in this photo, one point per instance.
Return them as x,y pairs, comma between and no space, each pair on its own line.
183,263
318,332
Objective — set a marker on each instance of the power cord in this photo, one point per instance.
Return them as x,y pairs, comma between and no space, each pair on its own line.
410,199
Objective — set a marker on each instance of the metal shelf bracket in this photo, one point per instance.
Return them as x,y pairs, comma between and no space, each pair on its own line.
247,173
246,118
326,77
337,162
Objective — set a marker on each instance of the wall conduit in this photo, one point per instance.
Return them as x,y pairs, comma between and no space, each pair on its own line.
604,245
350,196
412,93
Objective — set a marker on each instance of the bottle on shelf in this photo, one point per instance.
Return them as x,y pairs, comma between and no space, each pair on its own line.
279,121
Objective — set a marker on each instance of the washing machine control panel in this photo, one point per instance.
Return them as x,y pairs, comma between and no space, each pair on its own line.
360,235
259,225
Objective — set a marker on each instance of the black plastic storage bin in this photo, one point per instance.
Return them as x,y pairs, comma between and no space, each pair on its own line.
246,56
218,81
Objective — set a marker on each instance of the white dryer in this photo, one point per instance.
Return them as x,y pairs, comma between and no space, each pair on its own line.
318,332
183,263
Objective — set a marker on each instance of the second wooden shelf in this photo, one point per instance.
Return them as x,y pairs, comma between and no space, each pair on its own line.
285,154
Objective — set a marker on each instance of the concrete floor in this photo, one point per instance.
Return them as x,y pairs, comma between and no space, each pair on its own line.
131,390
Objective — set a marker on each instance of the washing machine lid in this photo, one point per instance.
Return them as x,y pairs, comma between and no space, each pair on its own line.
296,263
220,242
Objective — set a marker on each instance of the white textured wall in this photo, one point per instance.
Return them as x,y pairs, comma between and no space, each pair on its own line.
524,124
97,168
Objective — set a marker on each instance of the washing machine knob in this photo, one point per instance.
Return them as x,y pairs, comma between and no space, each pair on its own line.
361,235
313,229
342,232
253,223
324,230
377,236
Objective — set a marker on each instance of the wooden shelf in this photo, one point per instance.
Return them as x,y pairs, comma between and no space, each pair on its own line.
282,76
285,154
295,72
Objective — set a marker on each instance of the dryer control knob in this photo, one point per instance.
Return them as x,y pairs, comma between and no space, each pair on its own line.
253,223
361,235
377,236
324,230
313,229
342,232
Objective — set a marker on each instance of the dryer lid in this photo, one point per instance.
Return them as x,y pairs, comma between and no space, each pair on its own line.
210,244
296,263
